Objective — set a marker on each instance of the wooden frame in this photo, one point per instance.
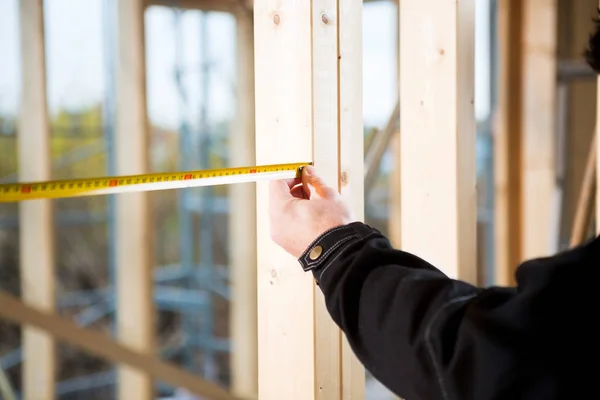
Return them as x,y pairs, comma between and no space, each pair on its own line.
438,200
242,225
308,107
508,136
135,255
539,103
36,217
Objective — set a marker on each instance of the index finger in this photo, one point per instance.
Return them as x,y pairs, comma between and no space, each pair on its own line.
281,189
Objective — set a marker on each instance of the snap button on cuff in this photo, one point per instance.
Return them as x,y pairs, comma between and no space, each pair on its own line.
315,252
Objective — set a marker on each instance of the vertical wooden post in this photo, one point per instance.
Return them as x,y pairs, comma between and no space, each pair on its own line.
135,254
350,133
437,128
394,226
36,217
581,121
507,142
394,203
242,224
308,107
539,131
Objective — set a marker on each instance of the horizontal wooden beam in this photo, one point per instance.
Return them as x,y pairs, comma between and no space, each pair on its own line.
103,346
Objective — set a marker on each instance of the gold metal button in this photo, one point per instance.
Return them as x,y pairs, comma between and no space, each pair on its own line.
315,252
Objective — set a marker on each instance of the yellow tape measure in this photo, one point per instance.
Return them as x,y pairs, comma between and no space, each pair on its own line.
15,192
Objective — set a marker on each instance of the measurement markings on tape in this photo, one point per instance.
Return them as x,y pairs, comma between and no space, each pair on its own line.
15,192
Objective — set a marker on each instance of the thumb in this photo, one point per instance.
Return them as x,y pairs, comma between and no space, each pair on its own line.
312,178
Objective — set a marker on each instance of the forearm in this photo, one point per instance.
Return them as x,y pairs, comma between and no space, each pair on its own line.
393,307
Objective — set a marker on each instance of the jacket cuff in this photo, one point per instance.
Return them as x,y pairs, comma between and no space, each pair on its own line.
328,246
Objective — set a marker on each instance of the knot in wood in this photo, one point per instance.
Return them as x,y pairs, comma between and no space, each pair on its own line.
344,178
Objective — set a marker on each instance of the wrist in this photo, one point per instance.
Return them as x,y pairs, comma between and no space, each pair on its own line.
327,246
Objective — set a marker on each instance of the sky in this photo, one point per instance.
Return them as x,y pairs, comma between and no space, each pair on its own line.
76,60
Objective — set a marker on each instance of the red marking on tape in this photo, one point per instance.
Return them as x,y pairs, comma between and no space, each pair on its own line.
187,176
113,182
253,171
26,189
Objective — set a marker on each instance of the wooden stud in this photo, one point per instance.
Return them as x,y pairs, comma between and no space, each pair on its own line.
539,125
36,219
437,128
394,205
308,107
584,212
351,152
242,225
582,95
135,255
507,142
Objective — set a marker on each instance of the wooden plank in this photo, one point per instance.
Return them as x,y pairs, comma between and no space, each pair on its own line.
134,230
507,142
103,346
394,202
37,257
308,106
282,43
351,152
325,94
539,125
585,204
242,225
380,144
581,111
438,134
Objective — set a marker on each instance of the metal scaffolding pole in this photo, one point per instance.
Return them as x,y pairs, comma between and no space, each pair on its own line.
186,233
206,217
108,118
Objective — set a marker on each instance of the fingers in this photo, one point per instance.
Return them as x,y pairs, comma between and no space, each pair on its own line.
279,190
299,192
321,189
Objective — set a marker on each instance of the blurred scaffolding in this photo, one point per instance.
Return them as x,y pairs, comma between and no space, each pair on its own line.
186,293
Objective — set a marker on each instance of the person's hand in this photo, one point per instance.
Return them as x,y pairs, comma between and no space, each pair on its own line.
302,209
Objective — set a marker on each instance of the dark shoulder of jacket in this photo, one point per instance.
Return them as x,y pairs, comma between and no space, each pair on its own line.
426,336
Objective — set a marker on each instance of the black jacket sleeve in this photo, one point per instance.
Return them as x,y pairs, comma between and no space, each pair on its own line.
426,336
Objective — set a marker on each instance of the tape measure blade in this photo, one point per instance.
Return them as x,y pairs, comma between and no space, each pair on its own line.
10,193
